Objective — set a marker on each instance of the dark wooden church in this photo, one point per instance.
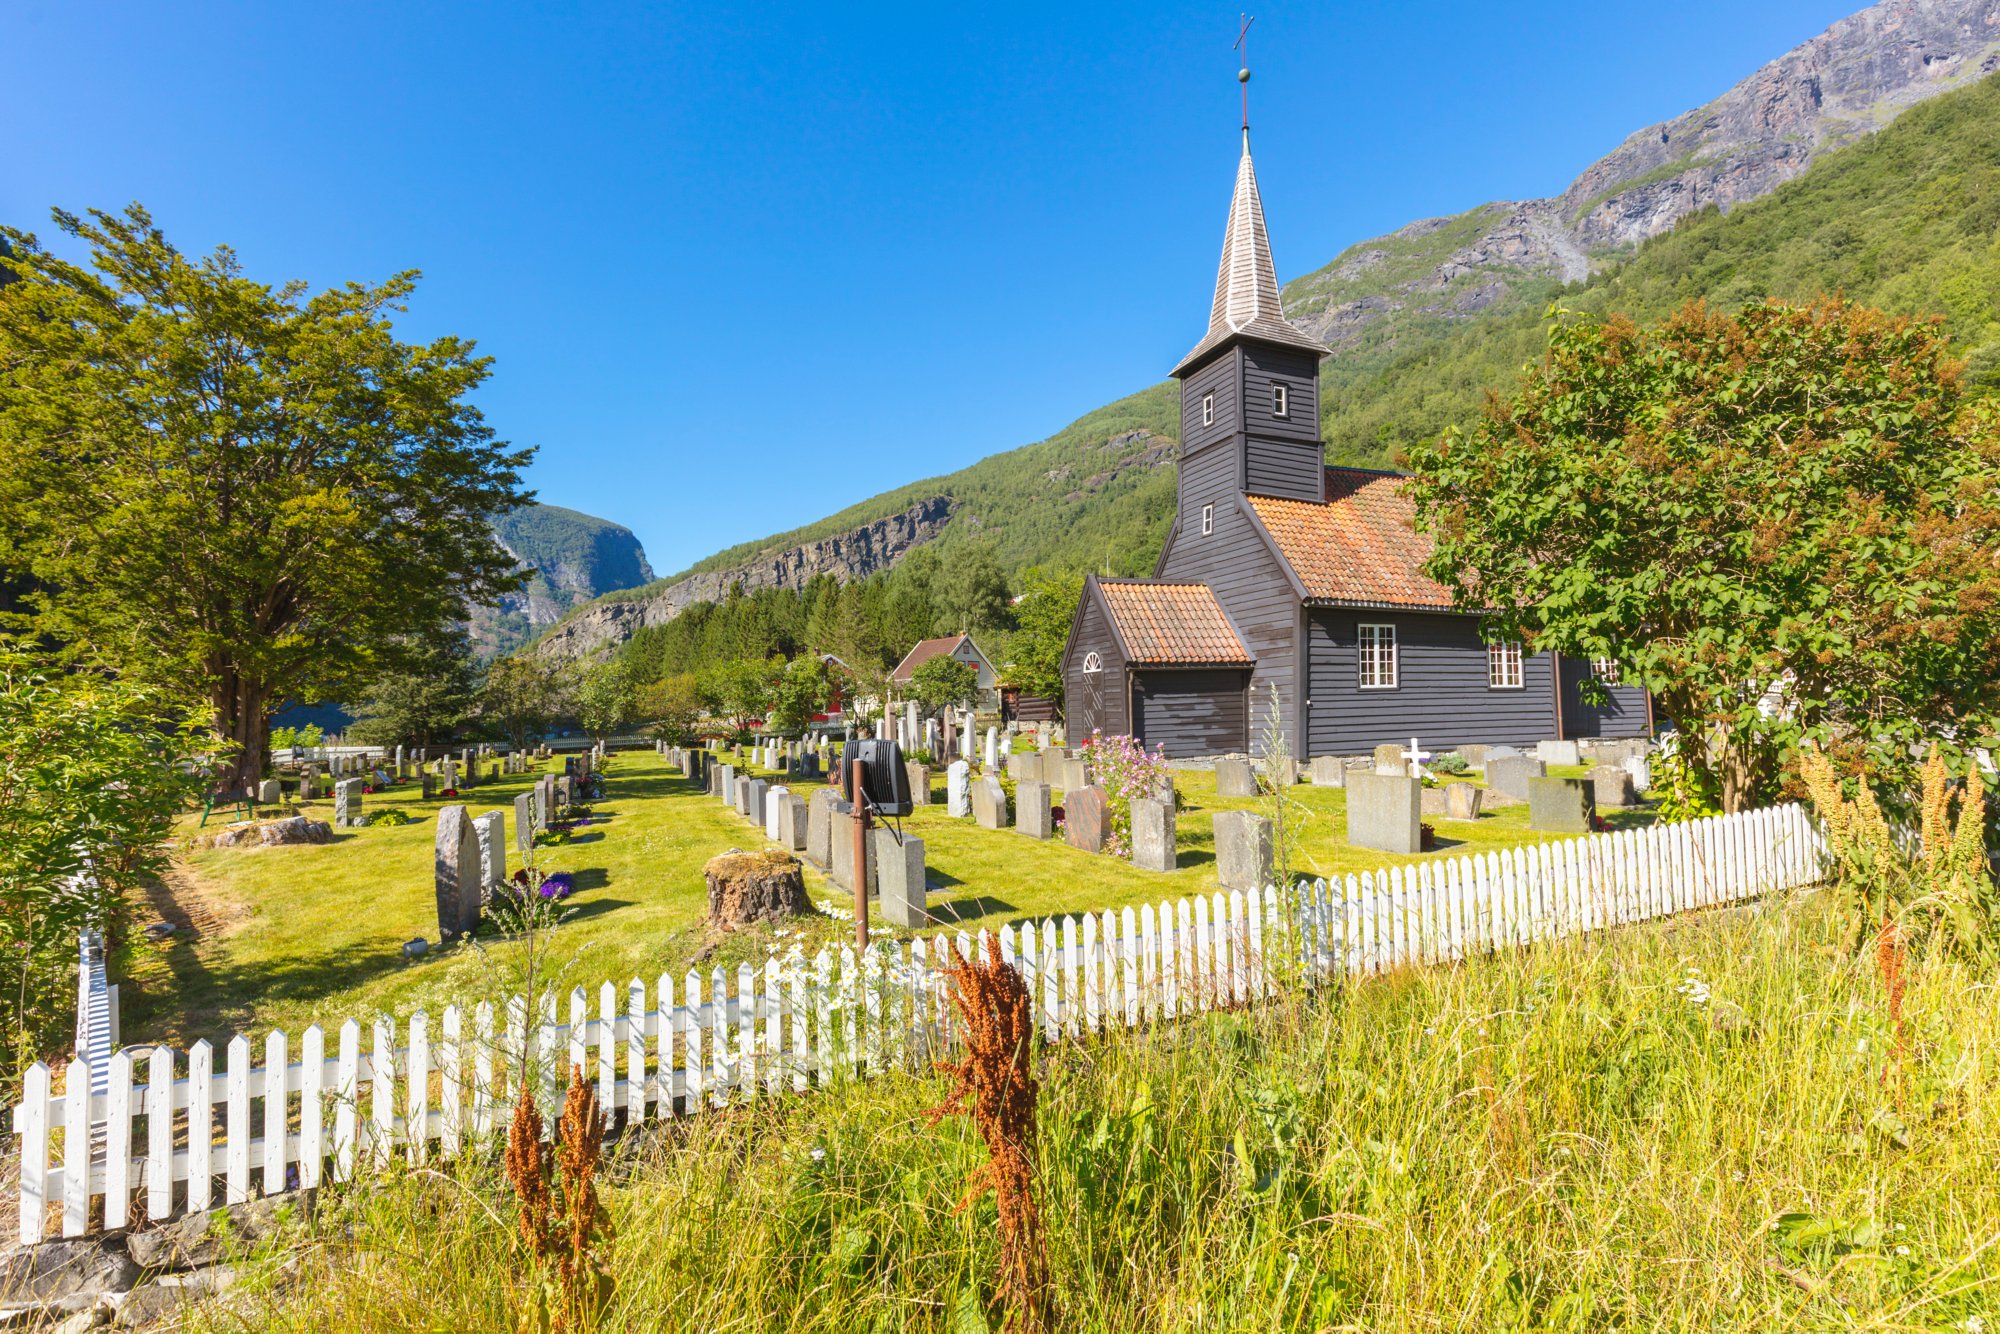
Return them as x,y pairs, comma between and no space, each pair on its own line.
1282,572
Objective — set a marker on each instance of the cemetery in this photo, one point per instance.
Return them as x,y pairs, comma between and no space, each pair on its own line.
295,948
1471,804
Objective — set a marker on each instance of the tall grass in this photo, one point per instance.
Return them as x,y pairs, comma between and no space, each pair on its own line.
1674,1126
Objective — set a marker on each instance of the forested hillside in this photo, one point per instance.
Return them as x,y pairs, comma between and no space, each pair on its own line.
571,558
1908,220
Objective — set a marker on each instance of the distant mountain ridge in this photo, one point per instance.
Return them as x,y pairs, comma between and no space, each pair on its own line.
571,558
1420,321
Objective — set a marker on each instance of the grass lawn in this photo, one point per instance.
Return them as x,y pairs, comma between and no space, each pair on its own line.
1701,1123
290,935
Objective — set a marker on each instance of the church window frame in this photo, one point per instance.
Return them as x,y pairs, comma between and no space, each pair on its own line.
1208,519
1208,408
1281,401
1092,664
1376,654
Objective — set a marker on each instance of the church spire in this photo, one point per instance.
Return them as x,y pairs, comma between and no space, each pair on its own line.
1246,284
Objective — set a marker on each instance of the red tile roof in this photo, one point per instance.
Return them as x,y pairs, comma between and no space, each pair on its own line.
1171,623
1361,546
927,649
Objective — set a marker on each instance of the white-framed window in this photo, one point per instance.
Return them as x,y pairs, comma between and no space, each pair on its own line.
1378,657
1208,408
1503,665
1092,663
1605,670
1207,519
1281,401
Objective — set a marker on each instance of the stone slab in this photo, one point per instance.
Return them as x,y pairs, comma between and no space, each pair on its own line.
1233,778
1243,850
1557,752
1611,786
456,873
899,878
1032,809
989,804
1329,771
1385,812
1152,834
1511,774
1087,818
1560,806
1462,801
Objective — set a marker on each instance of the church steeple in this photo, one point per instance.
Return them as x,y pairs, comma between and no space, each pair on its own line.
1246,283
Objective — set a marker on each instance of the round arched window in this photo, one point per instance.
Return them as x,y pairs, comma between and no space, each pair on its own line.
1092,663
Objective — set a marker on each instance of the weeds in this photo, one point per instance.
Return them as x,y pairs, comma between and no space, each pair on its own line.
996,1087
562,1223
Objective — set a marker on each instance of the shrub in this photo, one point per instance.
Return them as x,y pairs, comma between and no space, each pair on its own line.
1125,769
387,818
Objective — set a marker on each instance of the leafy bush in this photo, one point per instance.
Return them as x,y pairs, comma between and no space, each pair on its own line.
1450,763
387,818
1125,769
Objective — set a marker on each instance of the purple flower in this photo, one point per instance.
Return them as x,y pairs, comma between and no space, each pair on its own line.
558,886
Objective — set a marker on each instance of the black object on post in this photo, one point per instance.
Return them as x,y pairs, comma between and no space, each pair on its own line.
885,782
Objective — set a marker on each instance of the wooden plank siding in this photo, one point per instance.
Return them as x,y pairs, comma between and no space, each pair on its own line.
1218,377
1442,696
1094,701
1191,711
1624,715
1255,589
1282,455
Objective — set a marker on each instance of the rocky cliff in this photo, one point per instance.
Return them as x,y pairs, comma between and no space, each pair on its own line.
1843,84
570,558
854,554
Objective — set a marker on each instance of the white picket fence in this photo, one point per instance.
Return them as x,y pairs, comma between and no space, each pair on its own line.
308,1113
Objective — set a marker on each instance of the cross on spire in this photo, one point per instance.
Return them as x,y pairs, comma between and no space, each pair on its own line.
1243,75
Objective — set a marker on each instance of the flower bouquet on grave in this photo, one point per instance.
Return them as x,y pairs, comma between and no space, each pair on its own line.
449,792
529,884
1427,837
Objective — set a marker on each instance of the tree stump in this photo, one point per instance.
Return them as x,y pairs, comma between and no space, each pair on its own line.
745,887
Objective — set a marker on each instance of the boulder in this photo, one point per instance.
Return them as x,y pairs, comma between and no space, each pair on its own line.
297,829
745,887
195,1240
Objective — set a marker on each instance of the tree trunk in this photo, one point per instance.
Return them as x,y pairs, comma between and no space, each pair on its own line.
244,729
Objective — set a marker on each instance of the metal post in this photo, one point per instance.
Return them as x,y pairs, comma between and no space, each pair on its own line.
860,804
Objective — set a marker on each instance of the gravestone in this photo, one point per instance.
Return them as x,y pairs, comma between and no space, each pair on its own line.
491,829
1557,752
270,792
841,831
1242,850
1328,771
430,786
1560,805
1152,834
1233,778
1474,755
1031,809
990,758
565,791
819,813
958,790
773,800
1641,770
989,804
1391,759
545,801
1385,812
1611,786
898,864
743,785
1071,774
1087,818
756,792
919,776
524,823
726,788
458,874
1282,773
791,808
1462,801
1510,775
347,803
1025,766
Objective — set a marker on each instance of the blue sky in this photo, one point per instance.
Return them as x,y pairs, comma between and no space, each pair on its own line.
741,266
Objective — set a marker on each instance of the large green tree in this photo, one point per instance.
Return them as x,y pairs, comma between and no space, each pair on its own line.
240,491
1783,522
427,689
521,696
1047,606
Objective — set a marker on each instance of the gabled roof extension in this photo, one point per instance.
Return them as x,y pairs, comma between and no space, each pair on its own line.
1168,624
927,649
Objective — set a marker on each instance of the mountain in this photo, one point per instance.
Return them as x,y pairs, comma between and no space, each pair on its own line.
1788,184
571,558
